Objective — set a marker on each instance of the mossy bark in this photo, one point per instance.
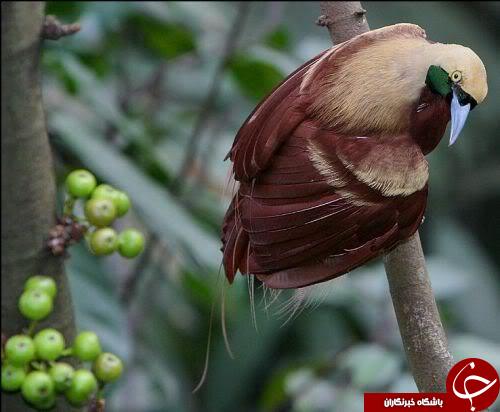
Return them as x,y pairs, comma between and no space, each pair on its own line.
28,184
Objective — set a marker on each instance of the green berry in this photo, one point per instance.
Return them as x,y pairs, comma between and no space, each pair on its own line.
86,346
19,350
119,198
35,304
130,243
104,191
12,378
62,375
104,241
108,367
80,183
83,386
100,212
38,389
43,283
122,203
49,344
46,404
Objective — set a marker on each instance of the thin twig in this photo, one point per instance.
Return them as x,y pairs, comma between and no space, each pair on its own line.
213,92
53,29
420,326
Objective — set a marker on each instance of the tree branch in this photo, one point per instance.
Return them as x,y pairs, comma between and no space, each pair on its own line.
28,186
344,19
418,318
419,323
53,29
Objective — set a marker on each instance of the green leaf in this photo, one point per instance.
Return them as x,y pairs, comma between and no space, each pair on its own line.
52,62
278,39
65,10
96,62
273,393
168,40
256,78
198,288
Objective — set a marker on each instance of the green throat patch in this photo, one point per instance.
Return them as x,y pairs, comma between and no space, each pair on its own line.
438,80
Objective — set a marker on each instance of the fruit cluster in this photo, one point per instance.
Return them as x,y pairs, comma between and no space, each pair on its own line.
103,204
31,362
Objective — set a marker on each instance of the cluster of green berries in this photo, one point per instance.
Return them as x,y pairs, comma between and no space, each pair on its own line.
31,364
103,204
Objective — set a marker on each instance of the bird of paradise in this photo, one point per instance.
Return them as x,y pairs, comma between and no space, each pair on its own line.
331,165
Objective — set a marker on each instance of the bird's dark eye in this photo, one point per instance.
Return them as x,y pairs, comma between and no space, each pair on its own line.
456,76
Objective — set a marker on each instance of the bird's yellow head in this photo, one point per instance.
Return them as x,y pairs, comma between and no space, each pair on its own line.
457,70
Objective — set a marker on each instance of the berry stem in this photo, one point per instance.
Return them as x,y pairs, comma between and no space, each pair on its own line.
31,328
39,366
83,221
67,352
69,204
100,392
88,234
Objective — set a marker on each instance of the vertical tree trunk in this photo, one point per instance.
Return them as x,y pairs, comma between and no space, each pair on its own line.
28,186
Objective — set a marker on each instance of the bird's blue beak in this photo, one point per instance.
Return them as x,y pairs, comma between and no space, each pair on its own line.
459,115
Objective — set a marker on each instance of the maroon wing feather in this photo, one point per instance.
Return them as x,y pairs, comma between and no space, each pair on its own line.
291,228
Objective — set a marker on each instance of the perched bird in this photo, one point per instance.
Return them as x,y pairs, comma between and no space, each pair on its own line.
331,165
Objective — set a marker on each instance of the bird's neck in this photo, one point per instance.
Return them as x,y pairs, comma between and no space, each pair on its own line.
429,118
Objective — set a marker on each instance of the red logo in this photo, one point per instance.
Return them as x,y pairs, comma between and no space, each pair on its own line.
474,383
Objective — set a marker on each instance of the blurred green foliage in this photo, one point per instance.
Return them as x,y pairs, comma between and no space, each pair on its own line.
165,39
254,77
122,98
